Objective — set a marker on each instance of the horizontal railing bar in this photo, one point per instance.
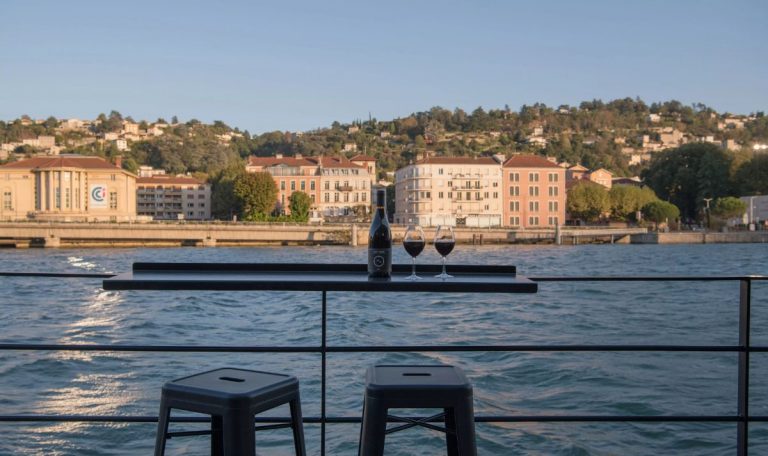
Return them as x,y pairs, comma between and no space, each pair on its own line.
378,348
57,274
646,278
354,419
535,279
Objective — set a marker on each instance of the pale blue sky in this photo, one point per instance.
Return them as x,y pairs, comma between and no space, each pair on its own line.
298,65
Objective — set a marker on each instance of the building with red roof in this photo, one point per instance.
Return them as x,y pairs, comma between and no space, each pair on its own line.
534,192
164,197
67,188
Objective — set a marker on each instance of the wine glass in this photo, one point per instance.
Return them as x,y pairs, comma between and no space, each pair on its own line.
444,242
414,242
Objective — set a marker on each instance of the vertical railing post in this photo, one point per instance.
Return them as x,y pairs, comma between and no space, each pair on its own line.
323,348
745,297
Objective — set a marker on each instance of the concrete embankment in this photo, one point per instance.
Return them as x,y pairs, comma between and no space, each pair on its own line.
740,237
28,234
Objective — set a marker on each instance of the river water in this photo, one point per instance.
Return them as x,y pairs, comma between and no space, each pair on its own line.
36,310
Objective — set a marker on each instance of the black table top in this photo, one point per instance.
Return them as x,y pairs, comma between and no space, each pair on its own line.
316,277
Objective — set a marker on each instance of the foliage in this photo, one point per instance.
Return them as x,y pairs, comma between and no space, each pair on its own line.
660,211
588,201
752,176
728,207
299,204
224,203
627,200
257,194
688,174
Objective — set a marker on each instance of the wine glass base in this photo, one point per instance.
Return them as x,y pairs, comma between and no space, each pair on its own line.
413,277
443,276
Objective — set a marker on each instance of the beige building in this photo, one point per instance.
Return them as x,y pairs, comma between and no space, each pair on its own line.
337,186
449,190
533,192
173,198
67,188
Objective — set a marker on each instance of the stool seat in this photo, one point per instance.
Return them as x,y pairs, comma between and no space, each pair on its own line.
421,386
232,397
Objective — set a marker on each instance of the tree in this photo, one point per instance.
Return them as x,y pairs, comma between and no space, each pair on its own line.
257,193
224,203
752,176
688,174
299,204
660,212
587,201
626,200
728,207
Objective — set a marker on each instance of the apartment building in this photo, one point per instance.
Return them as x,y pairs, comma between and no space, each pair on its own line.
534,192
173,198
67,188
451,191
337,186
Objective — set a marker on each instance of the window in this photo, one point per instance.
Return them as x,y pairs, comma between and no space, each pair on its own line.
469,196
450,183
57,200
553,191
533,191
201,204
312,196
282,185
533,221
113,177
514,206
7,200
477,196
336,197
327,197
533,177
552,178
552,206
485,194
514,221
113,200
514,191
514,177
440,171
495,194
312,185
495,184
327,185
533,206
364,196
440,194
67,198
190,204
346,197
293,185
303,186
553,221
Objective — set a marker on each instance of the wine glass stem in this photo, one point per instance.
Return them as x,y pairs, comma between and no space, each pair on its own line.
413,266
444,266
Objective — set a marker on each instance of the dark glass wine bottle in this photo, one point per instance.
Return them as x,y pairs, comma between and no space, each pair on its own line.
380,240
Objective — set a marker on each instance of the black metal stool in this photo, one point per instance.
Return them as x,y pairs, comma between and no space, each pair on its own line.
232,397
444,387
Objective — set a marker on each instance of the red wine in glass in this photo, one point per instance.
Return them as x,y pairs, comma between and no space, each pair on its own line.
444,247
414,242
445,240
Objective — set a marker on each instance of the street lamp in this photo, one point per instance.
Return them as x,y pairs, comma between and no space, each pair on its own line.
707,200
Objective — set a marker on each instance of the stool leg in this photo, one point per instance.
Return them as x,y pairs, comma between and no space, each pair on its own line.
238,433
465,427
217,442
297,425
452,443
373,428
162,427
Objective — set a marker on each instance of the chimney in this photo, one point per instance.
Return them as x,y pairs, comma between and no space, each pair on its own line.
298,155
119,161
278,155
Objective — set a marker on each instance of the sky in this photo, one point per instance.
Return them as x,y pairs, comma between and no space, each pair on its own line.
300,65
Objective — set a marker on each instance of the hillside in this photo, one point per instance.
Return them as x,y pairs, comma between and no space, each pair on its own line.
620,135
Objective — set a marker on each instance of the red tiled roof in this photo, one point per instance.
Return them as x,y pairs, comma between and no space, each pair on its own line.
274,161
61,161
335,162
169,180
529,161
457,161
361,157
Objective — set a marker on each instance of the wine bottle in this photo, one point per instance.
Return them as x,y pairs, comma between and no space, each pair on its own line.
380,240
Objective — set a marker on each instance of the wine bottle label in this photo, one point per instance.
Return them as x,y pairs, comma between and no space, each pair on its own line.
380,262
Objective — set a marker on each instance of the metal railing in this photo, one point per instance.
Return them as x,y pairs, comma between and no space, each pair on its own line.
743,348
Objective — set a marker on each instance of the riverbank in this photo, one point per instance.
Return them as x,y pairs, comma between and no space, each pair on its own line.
185,234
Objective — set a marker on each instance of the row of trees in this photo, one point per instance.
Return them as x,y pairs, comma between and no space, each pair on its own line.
253,197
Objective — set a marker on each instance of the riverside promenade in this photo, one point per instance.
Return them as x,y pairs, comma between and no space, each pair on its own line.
196,234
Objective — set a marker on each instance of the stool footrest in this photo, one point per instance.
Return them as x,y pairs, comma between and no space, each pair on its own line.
423,422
